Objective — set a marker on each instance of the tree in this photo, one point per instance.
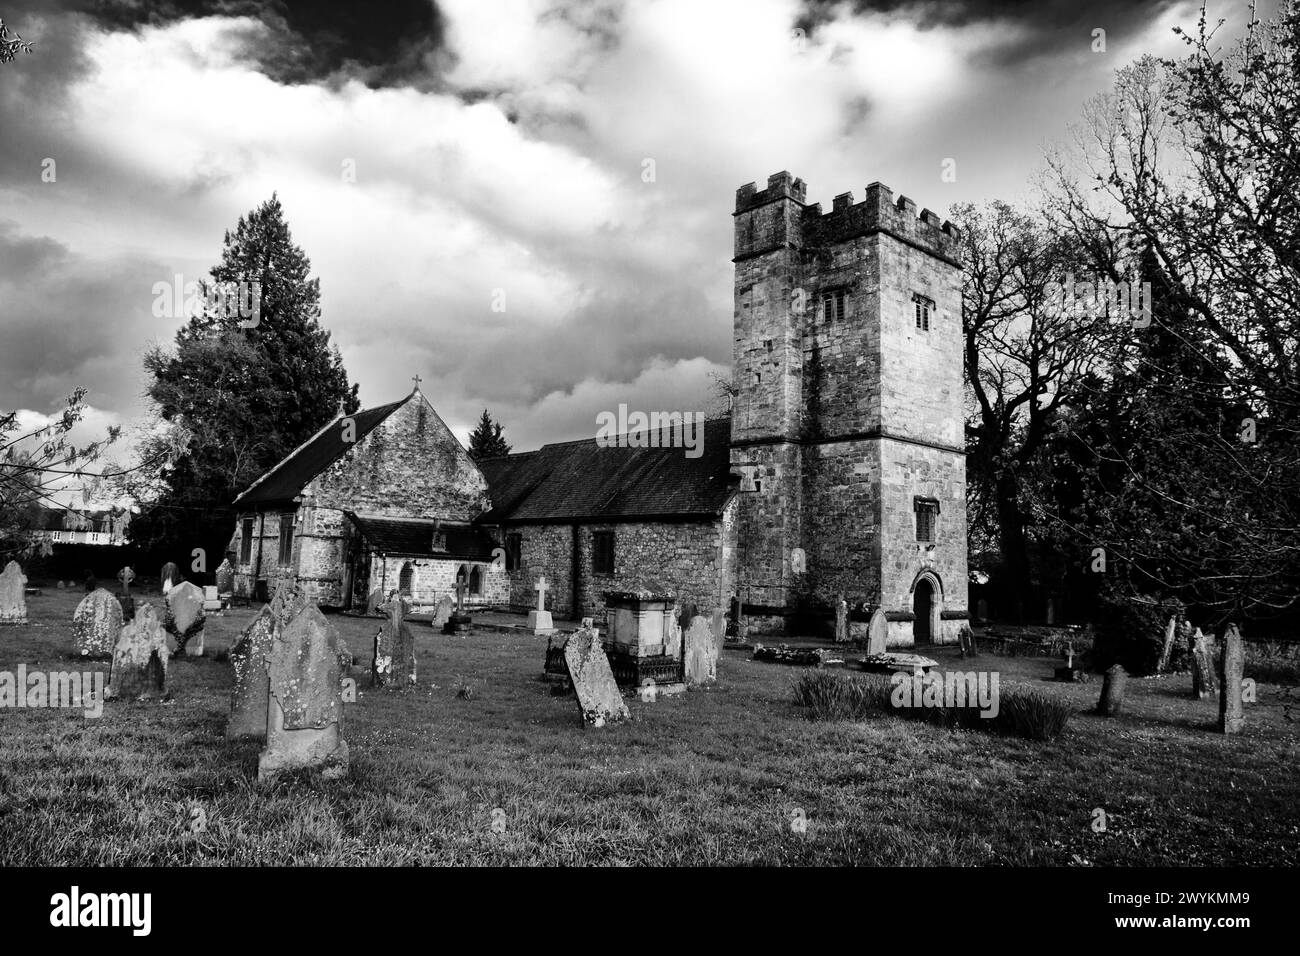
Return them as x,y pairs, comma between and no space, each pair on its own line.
11,46
239,391
486,441
1191,168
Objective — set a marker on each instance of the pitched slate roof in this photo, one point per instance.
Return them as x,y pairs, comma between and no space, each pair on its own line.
582,480
414,537
287,479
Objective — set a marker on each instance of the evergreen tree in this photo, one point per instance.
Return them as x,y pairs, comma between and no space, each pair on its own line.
240,391
486,441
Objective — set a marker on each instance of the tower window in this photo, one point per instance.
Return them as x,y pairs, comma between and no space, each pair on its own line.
923,309
927,516
833,306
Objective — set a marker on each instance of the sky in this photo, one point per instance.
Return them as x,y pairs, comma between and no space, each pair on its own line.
574,162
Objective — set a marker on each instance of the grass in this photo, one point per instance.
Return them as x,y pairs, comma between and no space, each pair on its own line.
710,777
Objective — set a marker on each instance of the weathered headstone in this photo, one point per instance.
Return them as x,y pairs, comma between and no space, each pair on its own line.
1166,649
1204,684
442,611
373,600
841,620
96,624
185,618
124,597
139,668
225,580
539,619
1112,691
1232,667
701,652
170,577
13,599
304,727
598,696
459,620
982,609
59,585
966,640
877,631
718,624
394,658
250,690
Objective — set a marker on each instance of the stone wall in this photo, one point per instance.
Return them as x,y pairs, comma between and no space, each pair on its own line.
433,578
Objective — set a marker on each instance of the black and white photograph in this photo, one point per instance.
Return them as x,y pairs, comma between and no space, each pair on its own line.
717,435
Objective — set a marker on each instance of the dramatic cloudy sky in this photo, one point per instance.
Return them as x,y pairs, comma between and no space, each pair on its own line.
498,144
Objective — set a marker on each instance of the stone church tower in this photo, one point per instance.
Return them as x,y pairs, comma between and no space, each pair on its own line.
847,416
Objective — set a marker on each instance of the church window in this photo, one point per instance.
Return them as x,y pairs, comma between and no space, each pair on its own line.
476,581
923,309
833,306
406,580
927,515
246,542
514,551
602,552
286,539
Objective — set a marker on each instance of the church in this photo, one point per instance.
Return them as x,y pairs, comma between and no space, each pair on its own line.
839,473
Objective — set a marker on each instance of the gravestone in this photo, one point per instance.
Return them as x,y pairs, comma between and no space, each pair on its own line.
373,600
225,580
185,618
13,599
170,576
442,611
1232,666
841,620
718,624
599,699
1166,649
124,597
1112,692
539,619
211,602
966,640
877,631
701,654
139,668
394,658
982,609
96,625
673,634
304,727
1204,684
459,620
250,690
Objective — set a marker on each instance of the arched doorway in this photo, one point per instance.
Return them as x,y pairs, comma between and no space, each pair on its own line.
923,598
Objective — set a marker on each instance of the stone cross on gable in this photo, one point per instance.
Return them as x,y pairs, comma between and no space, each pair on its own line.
126,576
541,587
417,380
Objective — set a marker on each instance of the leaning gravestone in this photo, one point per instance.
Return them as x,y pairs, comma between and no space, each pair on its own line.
96,624
225,580
877,632
1112,691
394,660
13,599
250,690
139,668
598,696
170,577
701,652
304,727
1232,666
1166,649
442,611
1204,685
841,620
966,640
185,618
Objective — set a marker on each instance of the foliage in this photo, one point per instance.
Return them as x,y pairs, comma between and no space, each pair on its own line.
11,45
486,440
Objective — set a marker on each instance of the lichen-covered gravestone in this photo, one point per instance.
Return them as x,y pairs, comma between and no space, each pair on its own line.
701,656
598,695
250,689
1204,685
1167,648
304,726
394,659
877,633
139,668
841,620
185,618
13,599
96,624
1232,666
1112,692
442,611
225,580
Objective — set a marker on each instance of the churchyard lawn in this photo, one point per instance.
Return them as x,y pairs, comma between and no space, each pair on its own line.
507,775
